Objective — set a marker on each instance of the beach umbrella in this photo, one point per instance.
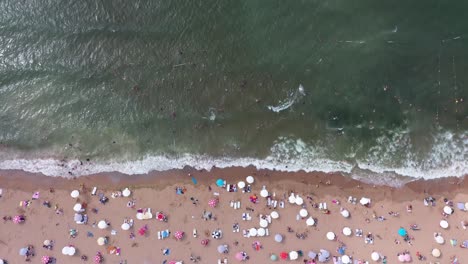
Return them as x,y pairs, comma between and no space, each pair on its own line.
217,234
220,182
364,201
45,259
263,222
2,261
407,257
160,216
303,212
17,219
140,216
239,256
439,240
98,258
292,198
375,256
213,202
448,210
345,259
23,251
241,184
274,215
284,255
101,241
74,194
402,232
125,226
126,192
71,251
293,255
222,249
47,243
278,238
347,231
273,257
102,224
65,250
78,218
249,179
401,258
312,254
345,213
253,231
444,224
299,200
323,255
179,235
204,242
436,252
264,193
330,236
77,207
310,221
261,231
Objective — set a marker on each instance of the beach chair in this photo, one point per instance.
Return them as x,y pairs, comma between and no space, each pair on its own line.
267,232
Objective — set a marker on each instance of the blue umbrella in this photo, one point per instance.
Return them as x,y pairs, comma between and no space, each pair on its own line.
402,232
220,182
194,180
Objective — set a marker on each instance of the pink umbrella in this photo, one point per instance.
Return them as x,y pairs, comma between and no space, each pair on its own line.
213,202
179,235
401,258
160,216
98,258
17,219
204,242
45,259
239,256
407,257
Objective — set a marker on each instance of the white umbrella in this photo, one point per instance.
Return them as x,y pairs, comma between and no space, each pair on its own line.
303,212
47,243
364,201
65,250
263,223
448,210
310,221
253,232
440,240
250,179
264,193
140,216
346,259
126,192
75,193
330,236
261,231
375,256
241,184
102,224
77,207
1,261
345,213
125,226
436,252
299,200
274,215
293,255
71,251
444,224
278,238
347,231
78,218
101,241
292,198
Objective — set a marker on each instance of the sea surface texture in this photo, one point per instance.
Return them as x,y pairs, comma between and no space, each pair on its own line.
377,89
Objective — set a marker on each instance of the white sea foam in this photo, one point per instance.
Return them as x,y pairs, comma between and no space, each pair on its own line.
289,101
447,157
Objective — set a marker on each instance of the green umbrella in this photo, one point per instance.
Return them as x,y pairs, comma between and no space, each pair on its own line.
274,257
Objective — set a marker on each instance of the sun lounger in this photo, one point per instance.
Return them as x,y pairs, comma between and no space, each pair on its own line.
94,191
275,204
267,232
281,204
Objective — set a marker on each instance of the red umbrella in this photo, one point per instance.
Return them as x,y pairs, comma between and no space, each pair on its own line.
142,231
239,256
213,202
204,242
256,245
179,235
98,258
45,259
17,219
160,216
284,255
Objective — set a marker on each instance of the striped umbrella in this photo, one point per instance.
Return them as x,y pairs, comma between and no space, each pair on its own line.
45,259
179,235
17,219
213,202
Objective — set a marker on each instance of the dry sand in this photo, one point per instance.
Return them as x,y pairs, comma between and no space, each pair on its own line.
157,191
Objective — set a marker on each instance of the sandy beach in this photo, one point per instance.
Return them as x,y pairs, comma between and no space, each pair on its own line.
182,196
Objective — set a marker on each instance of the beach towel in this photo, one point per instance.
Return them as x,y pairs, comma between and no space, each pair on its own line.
194,180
